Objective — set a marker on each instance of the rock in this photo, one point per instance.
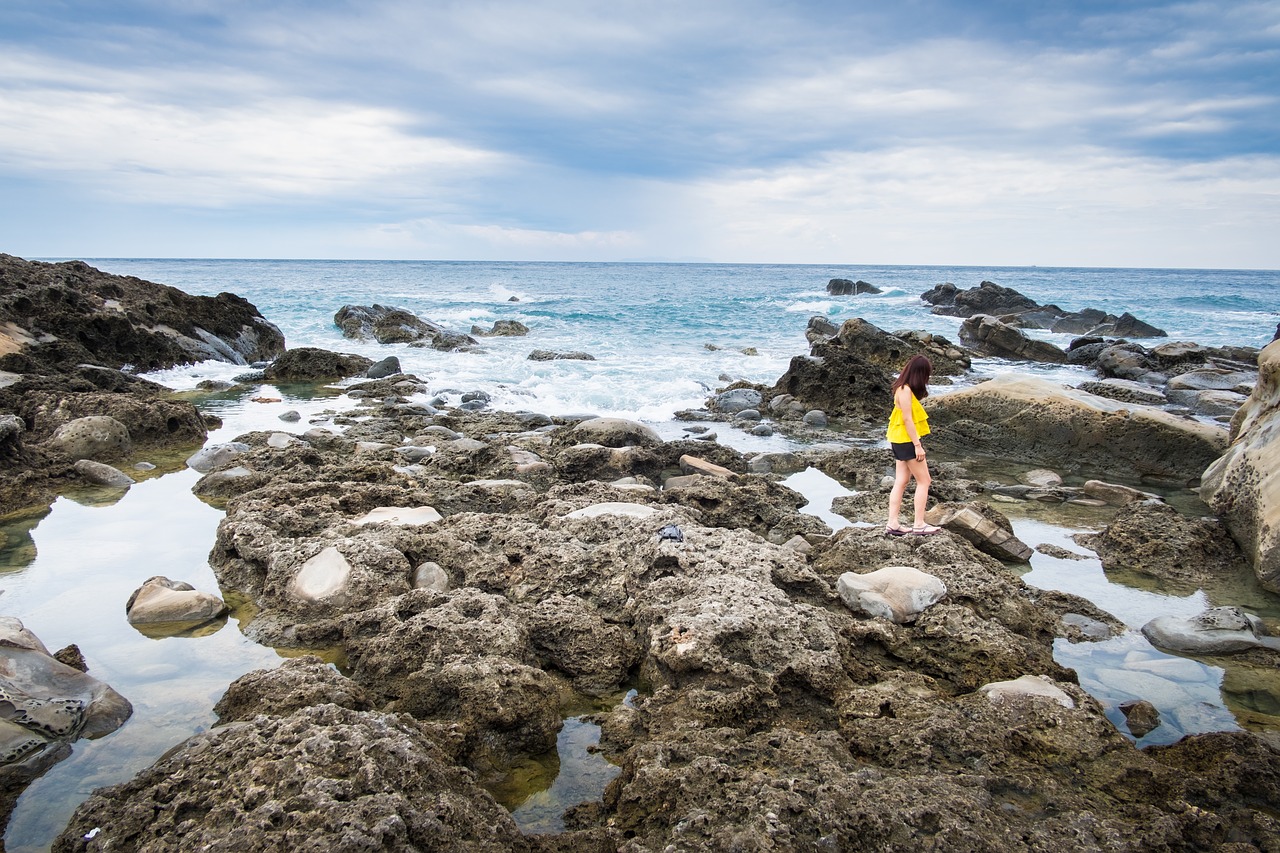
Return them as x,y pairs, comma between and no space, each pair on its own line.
1141,717
308,364
353,780
1221,404
1027,685
820,328
1126,391
1040,478
897,593
987,298
1211,379
296,684
986,528
162,600
322,578
736,400
815,417
1216,631
992,337
389,366
629,510
398,515
101,474
388,325
215,456
1035,421
1127,326
1153,539
615,432
96,437
747,415
1058,552
551,355
291,416
87,316
502,328
1114,493
845,287
72,657
1243,485
694,465
430,576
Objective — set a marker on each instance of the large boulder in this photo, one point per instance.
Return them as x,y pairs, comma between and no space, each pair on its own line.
1014,308
160,600
388,325
150,421
987,298
992,337
1035,421
95,437
1243,486
68,313
845,287
308,364
321,778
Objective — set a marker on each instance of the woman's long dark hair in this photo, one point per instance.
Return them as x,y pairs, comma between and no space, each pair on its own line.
915,376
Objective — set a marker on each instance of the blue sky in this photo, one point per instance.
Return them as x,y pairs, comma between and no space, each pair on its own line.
915,132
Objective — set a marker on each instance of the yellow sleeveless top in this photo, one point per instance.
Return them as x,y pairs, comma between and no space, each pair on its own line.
898,430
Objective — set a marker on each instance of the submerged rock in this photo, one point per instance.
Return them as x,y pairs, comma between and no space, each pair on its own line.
1219,630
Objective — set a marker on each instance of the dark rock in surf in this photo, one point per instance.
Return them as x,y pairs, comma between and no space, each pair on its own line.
308,364
388,325
845,287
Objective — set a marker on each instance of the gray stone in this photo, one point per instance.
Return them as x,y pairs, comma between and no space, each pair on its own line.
291,416
1141,717
322,578
897,593
736,400
430,576
1219,630
816,418
215,456
389,366
161,600
616,432
102,474
95,437
763,430
1034,686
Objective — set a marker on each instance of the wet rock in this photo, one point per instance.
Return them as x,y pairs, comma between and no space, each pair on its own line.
1243,485
552,355
216,456
1041,478
430,576
815,417
987,298
1036,421
820,328
1058,552
1125,391
1114,493
502,328
101,474
897,593
160,600
1141,717
96,437
388,325
736,400
845,287
308,364
291,416
694,465
992,337
1153,539
1216,631
352,780
389,366
988,529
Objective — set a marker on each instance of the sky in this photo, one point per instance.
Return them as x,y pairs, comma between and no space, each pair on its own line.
950,132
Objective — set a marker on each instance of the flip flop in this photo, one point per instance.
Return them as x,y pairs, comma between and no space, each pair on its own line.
927,530
894,531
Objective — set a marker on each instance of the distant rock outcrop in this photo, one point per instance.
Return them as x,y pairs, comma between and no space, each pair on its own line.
845,287
389,325
1013,308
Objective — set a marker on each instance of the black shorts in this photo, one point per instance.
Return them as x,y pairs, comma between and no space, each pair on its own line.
904,452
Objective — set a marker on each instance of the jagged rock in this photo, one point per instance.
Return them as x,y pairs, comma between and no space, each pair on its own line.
992,337
1038,422
308,364
352,780
1243,486
551,355
1126,391
215,456
388,325
162,600
1152,538
736,400
389,366
502,328
845,287
987,298
986,528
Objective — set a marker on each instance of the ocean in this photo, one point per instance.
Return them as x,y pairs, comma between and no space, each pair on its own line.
664,336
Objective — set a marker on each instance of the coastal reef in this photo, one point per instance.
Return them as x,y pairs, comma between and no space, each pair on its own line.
759,681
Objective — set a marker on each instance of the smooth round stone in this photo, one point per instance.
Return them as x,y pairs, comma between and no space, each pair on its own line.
415,453
1027,685
281,440
215,455
291,416
748,415
143,466
897,593
430,576
92,437
630,510
400,515
164,600
323,576
102,474
815,418
1219,630
763,430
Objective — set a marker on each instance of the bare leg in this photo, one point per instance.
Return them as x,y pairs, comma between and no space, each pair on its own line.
901,476
920,471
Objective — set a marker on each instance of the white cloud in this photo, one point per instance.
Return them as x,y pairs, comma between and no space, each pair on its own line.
439,239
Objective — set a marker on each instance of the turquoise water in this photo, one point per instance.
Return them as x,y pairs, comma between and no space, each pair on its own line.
68,571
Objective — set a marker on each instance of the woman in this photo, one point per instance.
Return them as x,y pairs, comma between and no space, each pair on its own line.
908,423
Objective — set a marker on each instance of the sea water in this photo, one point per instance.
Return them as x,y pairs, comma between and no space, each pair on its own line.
663,336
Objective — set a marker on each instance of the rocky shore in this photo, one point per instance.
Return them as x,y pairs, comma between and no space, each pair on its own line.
788,687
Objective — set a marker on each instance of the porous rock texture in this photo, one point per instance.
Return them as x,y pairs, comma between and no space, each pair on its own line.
1041,423
1243,486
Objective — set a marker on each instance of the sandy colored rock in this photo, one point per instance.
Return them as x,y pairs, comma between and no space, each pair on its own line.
897,593
97,437
162,600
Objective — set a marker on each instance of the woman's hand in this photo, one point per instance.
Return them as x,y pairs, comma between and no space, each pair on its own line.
919,450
